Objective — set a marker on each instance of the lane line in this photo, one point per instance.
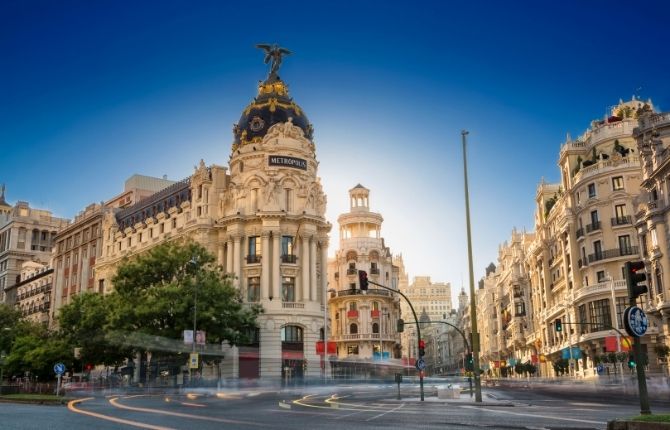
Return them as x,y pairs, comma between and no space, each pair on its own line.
384,413
498,411
72,408
115,403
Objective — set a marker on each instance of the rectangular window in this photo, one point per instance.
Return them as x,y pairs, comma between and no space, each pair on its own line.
597,248
583,327
621,305
174,223
255,245
594,218
601,275
253,289
161,228
352,350
599,311
625,247
519,309
617,183
592,190
288,289
287,255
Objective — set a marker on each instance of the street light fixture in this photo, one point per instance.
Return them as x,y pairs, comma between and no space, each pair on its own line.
325,333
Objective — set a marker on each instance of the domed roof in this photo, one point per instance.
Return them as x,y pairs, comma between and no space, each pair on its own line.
273,105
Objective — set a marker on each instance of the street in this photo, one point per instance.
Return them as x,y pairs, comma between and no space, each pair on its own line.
555,406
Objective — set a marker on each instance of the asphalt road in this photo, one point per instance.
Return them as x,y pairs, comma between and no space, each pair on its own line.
337,407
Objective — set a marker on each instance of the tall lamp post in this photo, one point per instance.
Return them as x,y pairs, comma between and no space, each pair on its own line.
473,305
325,334
194,262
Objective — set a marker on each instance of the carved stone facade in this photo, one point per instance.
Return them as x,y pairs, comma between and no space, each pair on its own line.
264,221
653,216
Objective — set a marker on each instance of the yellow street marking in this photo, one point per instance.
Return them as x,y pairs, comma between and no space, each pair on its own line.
182,415
71,407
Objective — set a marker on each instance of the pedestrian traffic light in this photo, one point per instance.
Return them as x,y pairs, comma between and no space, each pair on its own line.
469,362
634,272
422,347
558,325
631,361
363,280
401,325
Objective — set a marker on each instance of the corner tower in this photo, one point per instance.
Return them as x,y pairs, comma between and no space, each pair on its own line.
272,229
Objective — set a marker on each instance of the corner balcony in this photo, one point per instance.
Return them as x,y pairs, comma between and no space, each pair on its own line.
596,225
599,288
605,166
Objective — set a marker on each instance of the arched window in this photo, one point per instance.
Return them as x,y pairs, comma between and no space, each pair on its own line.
375,328
291,333
353,328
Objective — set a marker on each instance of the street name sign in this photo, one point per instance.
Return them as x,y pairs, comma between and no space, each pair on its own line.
635,321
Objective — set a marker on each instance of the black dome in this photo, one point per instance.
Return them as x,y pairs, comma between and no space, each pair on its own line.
272,106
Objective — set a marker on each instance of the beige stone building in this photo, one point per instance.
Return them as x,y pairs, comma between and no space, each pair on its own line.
584,234
79,245
264,220
432,299
34,291
363,324
652,219
26,234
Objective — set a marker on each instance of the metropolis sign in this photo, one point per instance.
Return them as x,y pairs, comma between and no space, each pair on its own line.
286,161
635,321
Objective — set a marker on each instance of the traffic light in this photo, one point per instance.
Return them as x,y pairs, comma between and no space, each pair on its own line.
401,325
558,325
634,271
422,347
363,280
631,361
469,362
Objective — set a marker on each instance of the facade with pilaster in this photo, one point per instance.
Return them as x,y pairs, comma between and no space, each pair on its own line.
264,220
363,324
652,220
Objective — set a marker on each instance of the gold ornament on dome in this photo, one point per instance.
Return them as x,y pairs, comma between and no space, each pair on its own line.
278,87
272,104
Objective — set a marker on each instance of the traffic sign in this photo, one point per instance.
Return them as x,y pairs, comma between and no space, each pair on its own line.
59,368
635,321
420,364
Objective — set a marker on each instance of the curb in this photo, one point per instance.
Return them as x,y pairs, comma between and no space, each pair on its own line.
636,425
36,402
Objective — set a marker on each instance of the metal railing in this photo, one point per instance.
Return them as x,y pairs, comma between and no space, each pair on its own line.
593,227
253,259
288,258
612,253
622,220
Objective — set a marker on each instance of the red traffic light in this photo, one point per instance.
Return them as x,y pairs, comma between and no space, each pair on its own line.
635,274
422,343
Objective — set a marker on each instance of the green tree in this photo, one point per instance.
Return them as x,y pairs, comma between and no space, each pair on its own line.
35,350
85,323
10,326
154,296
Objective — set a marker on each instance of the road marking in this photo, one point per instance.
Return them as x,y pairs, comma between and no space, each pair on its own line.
197,405
115,403
284,405
71,407
384,413
498,411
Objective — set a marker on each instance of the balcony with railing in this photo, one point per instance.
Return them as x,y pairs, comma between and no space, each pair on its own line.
375,313
374,271
288,258
253,259
369,292
352,313
621,220
604,166
599,288
612,253
292,305
580,232
593,227
352,271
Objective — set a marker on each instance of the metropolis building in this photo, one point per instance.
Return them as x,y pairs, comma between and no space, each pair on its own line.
263,219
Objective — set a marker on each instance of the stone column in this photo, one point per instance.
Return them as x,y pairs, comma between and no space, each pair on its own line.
305,268
312,267
220,259
229,255
265,263
324,271
276,279
237,263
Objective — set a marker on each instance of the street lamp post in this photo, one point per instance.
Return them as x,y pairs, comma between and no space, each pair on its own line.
194,262
473,305
325,334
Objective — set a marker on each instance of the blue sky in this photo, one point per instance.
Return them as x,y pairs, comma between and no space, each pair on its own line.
93,92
